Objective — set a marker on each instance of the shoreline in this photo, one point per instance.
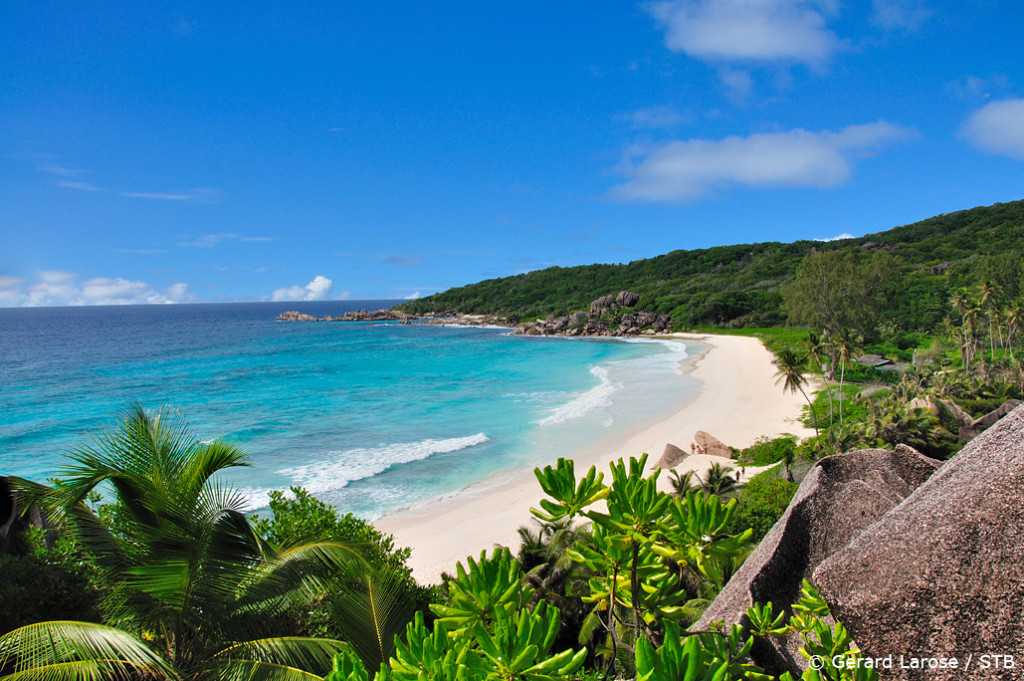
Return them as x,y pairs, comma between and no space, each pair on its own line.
738,403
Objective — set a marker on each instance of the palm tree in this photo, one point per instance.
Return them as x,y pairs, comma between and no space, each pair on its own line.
184,568
681,483
791,365
1014,318
718,480
816,348
988,294
846,346
963,306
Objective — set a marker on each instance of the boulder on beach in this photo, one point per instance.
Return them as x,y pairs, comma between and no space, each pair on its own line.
942,574
840,497
671,457
712,445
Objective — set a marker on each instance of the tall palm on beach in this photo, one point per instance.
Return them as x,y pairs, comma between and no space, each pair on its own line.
846,347
817,348
192,589
790,366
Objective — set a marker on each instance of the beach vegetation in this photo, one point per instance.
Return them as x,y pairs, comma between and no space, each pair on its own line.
761,502
654,557
387,596
190,588
766,451
791,365
47,579
719,480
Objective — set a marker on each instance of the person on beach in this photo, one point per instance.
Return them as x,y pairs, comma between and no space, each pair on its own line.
693,448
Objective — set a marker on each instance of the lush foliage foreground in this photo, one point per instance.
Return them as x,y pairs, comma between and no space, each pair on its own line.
187,586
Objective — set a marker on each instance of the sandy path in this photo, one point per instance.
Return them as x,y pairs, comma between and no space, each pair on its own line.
739,402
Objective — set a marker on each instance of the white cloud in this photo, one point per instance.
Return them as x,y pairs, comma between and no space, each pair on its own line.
748,30
998,128
318,289
692,169
837,237
413,296
896,14
64,288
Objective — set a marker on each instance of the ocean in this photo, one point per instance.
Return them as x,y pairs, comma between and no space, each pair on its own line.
370,417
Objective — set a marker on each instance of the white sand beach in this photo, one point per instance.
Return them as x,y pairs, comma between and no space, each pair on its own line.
740,401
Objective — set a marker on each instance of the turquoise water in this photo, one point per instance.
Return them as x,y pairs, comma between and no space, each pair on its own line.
370,417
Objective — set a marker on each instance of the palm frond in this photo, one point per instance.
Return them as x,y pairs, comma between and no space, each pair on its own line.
298,574
67,651
370,611
280,658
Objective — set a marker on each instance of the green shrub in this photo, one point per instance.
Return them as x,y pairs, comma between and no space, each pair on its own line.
46,584
766,451
761,502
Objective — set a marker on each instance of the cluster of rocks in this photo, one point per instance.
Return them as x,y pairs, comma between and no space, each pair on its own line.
672,456
355,316
916,557
633,323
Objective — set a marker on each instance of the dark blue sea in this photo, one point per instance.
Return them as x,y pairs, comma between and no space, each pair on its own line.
372,418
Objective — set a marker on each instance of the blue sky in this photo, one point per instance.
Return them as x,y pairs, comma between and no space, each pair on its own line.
194,152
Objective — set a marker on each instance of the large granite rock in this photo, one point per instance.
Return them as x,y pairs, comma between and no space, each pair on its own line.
627,299
601,304
712,445
671,457
839,498
943,573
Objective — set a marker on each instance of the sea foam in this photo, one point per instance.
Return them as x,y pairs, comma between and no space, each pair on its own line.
338,469
598,396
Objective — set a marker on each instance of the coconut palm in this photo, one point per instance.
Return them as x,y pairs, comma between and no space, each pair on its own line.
791,365
988,294
817,348
846,346
719,480
184,569
681,483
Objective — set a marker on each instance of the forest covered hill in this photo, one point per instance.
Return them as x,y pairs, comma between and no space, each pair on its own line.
739,285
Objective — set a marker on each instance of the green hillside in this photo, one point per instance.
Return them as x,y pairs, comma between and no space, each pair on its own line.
736,286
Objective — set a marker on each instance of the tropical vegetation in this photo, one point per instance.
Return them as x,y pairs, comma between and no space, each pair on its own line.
154,568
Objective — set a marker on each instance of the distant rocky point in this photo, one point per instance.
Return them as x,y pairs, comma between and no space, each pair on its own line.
356,316
608,316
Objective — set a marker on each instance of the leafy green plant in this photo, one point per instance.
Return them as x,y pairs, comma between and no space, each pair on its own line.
183,567
654,557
